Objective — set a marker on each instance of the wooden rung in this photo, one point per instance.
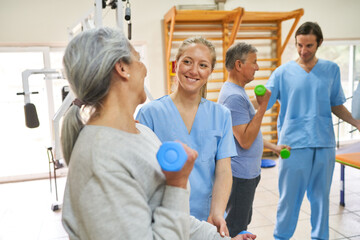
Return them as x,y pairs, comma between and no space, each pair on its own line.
261,78
214,90
215,80
267,59
256,37
249,88
271,115
269,124
198,29
267,68
213,99
269,133
217,71
257,28
210,39
200,23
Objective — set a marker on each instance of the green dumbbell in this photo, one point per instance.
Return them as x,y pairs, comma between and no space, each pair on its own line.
285,153
260,90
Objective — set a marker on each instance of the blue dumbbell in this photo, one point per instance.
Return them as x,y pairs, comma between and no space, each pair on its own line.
171,156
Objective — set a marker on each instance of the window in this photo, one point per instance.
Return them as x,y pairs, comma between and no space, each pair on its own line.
24,150
347,55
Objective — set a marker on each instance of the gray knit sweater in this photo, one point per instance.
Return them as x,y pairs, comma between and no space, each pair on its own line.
116,190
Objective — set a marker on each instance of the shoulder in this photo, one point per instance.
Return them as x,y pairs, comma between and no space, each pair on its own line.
155,105
215,108
285,67
328,65
145,129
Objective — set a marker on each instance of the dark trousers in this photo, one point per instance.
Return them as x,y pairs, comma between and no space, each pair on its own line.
239,207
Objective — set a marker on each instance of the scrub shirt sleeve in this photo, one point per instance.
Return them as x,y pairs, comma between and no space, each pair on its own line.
145,118
337,96
273,85
226,145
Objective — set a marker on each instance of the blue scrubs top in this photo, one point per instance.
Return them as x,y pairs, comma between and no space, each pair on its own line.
306,99
247,163
211,136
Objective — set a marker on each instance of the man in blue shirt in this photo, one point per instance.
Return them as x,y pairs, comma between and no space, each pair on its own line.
309,90
241,63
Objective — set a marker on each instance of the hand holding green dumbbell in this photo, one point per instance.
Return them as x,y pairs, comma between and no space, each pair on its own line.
284,153
260,90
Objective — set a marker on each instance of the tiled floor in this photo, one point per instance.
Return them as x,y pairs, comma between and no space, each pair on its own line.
25,209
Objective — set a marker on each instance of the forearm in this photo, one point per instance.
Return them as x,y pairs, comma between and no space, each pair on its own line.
271,146
341,112
204,230
254,103
222,187
247,135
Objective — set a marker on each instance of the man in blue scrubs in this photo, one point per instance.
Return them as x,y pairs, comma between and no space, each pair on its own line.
309,90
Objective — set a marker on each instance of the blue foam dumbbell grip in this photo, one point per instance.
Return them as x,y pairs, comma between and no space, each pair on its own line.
171,156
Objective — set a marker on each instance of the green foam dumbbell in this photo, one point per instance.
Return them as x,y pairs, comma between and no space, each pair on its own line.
260,90
285,153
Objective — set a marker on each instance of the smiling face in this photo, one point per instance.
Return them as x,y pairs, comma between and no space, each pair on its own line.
306,46
193,68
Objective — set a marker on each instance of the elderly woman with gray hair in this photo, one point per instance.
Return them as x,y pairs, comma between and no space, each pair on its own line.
115,187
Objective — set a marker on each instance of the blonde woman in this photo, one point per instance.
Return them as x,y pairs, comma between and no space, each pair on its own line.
205,126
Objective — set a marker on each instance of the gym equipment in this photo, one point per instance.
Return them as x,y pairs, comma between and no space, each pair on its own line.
55,165
284,153
267,163
31,116
171,156
94,17
260,90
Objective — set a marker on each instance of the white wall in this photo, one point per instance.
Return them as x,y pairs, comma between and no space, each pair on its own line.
46,22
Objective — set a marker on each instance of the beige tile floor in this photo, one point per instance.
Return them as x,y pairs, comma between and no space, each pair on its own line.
25,209
344,221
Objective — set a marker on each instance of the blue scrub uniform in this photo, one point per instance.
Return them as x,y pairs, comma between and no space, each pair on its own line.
305,124
211,136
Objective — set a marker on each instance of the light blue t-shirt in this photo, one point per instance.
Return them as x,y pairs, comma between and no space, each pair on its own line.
247,163
211,136
306,99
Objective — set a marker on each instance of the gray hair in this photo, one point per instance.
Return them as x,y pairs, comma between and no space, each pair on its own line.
88,61
238,51
198,40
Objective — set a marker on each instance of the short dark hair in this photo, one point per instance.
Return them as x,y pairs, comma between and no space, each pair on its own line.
310,28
